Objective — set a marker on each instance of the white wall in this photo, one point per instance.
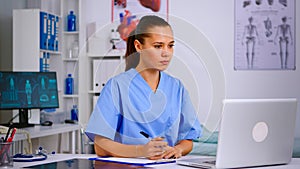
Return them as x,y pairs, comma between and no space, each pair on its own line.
215,19
6,41
6,31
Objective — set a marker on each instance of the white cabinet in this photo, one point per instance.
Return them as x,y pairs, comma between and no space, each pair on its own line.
27,54
103,68
27,40
70,52
27,50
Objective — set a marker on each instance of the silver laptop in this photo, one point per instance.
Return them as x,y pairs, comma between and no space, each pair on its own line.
253,132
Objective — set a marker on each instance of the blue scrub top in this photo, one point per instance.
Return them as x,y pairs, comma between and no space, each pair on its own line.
127,105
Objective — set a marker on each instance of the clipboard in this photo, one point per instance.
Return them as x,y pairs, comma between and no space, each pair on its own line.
134,161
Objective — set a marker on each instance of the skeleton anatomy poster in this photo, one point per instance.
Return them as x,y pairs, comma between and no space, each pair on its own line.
264,35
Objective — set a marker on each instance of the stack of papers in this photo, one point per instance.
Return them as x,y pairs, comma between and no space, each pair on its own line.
134,161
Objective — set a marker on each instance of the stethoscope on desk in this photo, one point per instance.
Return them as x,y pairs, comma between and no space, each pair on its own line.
39,156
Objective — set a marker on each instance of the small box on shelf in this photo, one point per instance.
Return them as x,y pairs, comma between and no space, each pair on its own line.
55,117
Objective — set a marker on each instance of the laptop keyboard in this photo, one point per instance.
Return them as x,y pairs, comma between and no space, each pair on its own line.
206,161
213,162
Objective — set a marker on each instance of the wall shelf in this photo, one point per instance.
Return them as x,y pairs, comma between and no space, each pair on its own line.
70,96
93,92
51,52
111,54
70,59
71,32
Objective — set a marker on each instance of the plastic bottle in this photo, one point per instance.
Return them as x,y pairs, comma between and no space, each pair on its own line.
74,113
71,21
69,84
75,49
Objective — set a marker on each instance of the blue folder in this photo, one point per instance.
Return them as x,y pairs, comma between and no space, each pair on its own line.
56,30
43,30
51,37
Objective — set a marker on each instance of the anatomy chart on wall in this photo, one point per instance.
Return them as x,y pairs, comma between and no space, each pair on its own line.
264,35
128,13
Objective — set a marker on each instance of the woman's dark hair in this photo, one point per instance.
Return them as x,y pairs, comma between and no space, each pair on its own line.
132,57
142,30
147,22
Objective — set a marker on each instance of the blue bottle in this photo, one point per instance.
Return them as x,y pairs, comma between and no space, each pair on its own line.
71,21
74,113
69,84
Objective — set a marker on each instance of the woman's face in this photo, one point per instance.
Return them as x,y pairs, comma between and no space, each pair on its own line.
157,50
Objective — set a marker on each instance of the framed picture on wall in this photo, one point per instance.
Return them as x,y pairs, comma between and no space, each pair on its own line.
128,12
264,35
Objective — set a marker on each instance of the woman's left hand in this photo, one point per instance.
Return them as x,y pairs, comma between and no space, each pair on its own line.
182,148
170,152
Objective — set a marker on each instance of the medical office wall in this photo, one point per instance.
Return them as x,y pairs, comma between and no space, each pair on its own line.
6,39
215,19
213,22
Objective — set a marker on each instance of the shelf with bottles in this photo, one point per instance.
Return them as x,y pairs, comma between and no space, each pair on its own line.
70,33
70,12
71,108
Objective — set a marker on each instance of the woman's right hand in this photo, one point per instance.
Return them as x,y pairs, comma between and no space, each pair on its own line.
154,149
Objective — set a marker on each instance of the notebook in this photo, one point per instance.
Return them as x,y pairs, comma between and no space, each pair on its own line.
253,132
134,161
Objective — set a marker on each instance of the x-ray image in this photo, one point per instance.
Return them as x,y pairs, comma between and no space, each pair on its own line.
264,35
268,27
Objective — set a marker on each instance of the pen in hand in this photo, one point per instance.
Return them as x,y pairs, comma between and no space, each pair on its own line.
145,135
161,146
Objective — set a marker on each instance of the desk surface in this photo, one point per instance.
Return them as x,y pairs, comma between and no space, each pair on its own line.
294,164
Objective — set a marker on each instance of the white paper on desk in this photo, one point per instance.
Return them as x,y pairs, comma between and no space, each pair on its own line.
134,161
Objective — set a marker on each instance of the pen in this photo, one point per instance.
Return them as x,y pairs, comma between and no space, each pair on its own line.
10,139
5,148
145,135
7,134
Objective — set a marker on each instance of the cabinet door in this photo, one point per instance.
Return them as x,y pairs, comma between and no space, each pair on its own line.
103,69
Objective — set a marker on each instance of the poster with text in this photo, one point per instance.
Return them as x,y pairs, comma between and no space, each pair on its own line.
264,35
128,13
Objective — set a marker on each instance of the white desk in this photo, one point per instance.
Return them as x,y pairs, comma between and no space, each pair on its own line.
53,158
294,164
42,131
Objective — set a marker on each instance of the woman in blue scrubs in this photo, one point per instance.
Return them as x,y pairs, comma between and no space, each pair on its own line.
146,99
